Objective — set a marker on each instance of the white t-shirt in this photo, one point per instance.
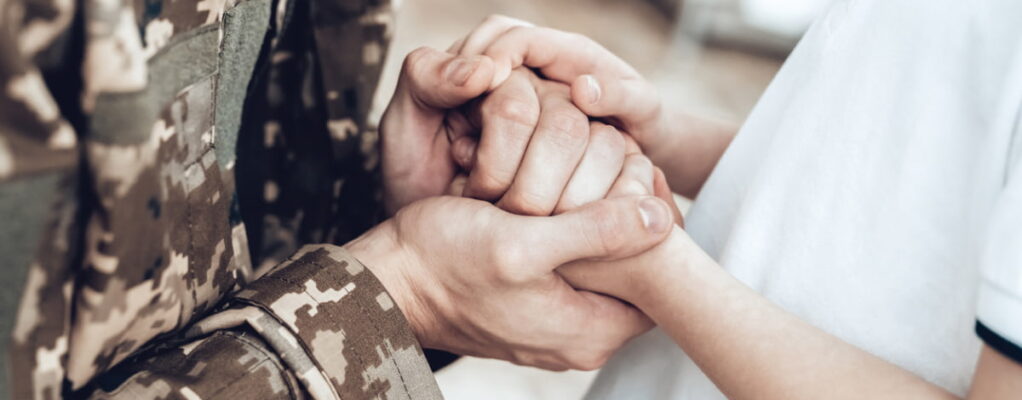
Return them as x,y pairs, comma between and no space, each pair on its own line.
875,192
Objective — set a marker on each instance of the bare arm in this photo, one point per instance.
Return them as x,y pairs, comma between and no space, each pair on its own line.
688,148
752,349
997,377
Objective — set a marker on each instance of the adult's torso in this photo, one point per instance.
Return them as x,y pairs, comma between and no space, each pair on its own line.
197,127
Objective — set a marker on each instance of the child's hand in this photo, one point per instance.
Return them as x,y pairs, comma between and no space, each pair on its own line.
630,278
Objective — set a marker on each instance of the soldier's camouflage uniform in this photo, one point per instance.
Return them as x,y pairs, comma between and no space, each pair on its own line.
168,169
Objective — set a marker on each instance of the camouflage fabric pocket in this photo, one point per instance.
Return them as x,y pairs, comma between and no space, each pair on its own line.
160,246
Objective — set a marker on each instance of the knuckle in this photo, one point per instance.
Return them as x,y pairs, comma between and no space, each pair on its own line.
415,59
641,161
403,218
632,187
631,146
568,128
517,30
607,222
606,132
638,166
567,203
486,182
569,121
497,19
511,108
526,202
608,138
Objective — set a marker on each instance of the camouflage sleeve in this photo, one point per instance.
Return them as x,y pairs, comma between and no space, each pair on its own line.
318,325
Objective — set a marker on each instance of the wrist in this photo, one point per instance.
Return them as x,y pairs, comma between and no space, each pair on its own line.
659,141
382,252
664,277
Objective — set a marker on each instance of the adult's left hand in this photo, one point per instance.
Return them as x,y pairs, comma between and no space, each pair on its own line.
415,128
537,154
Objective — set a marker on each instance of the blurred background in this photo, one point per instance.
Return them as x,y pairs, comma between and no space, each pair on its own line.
713,57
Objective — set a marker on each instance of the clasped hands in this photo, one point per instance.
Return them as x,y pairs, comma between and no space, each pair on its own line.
521,216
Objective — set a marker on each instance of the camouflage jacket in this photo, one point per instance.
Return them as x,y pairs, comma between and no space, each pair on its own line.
173,174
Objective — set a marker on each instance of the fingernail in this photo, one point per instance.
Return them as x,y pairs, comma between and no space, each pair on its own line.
656,218
459,70
593,91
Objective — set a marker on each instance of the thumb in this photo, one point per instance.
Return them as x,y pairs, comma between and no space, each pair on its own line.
633,101
608,229
440,80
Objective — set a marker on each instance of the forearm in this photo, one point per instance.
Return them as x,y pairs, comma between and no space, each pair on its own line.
687,149
752,349
997,377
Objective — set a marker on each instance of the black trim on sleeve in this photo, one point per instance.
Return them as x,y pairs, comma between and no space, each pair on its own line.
1002,345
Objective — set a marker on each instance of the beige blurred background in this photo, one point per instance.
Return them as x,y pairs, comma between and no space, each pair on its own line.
724,79
709,56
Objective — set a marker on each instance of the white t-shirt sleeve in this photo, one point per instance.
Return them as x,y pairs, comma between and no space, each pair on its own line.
999,314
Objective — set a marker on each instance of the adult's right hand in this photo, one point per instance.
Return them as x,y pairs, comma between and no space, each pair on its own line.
476,280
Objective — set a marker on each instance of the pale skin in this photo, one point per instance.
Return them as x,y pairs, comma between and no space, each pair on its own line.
712,316
472,277
602,85
749,347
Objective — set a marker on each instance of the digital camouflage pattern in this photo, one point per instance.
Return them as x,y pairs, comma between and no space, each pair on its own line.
173,174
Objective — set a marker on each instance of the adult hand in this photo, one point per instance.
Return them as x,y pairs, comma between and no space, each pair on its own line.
686,146
634,176
529,156
415,148
602,85
631,279
537,163
628,278
476,280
